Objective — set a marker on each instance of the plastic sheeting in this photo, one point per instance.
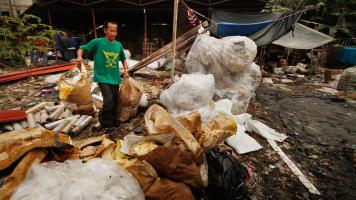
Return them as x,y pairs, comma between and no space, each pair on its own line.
96,179
190,92
347,55
303,37
281,24
230,61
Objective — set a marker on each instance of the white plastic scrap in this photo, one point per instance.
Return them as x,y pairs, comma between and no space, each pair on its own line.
241,142
264,131
190,92
72,180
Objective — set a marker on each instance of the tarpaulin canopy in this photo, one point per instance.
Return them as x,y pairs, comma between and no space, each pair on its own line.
263,28
303,37
228,29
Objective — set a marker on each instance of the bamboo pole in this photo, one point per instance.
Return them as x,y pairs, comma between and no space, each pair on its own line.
174,39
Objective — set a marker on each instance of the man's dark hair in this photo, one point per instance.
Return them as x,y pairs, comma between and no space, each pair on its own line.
106,23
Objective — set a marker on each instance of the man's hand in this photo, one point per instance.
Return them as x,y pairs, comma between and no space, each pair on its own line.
126,73
79,57
126,68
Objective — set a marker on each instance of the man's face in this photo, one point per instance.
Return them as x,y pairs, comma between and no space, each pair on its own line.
111,31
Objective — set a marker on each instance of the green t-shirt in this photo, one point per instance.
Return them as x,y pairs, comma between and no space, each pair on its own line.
106,59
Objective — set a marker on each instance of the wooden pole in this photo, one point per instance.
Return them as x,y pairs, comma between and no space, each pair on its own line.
11,11
94,22
174,39
49,17
145,34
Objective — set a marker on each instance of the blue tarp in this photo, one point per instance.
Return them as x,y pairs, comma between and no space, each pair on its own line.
231,29
347,55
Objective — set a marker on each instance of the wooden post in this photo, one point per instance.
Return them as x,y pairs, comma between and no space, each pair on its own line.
174,39
49,17
145,35
11,11
94,22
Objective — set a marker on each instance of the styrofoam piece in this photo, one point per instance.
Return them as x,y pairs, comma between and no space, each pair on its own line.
242,142
264,131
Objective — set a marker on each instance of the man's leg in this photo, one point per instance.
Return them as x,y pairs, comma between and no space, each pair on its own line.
107,113
115,91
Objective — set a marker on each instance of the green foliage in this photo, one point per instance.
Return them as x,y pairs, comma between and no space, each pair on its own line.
19,36
338,16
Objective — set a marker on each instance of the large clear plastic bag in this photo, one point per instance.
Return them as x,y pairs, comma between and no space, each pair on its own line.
230,61
190,92
74,180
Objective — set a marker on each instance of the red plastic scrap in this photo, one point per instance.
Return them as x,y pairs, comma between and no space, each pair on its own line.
12,115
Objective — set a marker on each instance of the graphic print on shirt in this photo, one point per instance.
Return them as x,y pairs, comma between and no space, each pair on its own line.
110,58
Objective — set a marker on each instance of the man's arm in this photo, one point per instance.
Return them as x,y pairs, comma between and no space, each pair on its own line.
88,48
126,67
79,56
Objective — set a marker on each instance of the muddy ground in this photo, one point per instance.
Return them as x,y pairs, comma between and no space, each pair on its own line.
321,136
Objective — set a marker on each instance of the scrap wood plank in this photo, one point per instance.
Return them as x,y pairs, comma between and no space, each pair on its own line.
312,189
165,50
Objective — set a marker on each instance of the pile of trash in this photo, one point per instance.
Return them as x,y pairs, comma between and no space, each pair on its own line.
169,158
51,116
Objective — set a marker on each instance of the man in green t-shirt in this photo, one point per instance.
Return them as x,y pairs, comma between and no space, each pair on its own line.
107,54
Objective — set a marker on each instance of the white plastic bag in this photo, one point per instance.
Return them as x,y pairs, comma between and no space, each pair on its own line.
230,61
74,180
190,92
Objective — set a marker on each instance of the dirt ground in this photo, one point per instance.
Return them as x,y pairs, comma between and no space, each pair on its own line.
321,141
321,135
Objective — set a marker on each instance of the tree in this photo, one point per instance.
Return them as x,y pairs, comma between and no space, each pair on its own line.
337,16
19,36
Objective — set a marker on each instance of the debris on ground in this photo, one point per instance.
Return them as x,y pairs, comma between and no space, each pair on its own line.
213,133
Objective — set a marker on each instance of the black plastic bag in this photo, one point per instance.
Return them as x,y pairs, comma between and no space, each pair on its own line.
227,176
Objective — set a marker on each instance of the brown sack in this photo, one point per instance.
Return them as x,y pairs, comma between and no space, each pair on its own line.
124,113
15,144
158,188
159,121
176,164
18,175
216,131
192,122
130,92
128,99
78,96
